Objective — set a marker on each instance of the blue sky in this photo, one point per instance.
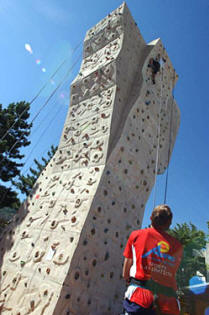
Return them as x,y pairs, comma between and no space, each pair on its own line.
54,28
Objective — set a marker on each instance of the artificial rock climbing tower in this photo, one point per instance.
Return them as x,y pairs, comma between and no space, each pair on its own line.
62,254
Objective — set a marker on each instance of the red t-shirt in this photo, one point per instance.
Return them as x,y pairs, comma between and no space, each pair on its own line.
155,255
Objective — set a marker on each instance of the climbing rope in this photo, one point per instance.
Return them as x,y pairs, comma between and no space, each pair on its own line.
44,105
38,93
37,114
158,140
170,139
158,143
41,137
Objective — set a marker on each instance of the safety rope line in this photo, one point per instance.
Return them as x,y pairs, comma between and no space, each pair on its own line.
158,142
27,196
39,92
170,138
24,172
61,82
41,136
44,119
44,105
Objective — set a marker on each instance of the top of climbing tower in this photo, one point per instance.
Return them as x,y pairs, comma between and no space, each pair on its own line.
104,22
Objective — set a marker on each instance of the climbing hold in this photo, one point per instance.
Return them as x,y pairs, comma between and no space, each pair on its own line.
73,219
76,276
22,263
32,305
106,256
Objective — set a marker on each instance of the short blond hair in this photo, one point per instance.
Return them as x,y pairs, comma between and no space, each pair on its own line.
161,216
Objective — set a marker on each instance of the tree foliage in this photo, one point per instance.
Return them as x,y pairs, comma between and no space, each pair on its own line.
14,132
9,198
193,240
6,215
26,183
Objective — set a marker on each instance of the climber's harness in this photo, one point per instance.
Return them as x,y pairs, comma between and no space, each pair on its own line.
153,286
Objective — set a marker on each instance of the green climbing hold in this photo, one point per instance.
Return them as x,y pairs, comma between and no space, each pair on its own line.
22,263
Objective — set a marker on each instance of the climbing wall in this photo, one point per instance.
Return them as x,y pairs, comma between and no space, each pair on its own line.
62,254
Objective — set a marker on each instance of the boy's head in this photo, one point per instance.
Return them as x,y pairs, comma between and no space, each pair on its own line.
161,217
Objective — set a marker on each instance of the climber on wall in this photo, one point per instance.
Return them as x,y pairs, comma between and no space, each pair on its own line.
155,67
152,258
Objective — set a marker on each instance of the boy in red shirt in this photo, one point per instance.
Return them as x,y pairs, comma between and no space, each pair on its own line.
152,258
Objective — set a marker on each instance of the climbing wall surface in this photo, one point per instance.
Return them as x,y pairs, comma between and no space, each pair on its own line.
62,254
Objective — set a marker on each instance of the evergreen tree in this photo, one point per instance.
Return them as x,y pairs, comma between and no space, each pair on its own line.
193,240
6,215
15,116
26,183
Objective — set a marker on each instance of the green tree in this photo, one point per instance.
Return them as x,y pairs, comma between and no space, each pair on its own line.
14,132
26,183
9,198
6,215
193,241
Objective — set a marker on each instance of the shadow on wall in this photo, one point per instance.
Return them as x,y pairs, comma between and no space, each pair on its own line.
133,95
9,232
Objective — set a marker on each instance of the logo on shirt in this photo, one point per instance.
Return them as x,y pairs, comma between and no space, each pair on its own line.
160,251
164,247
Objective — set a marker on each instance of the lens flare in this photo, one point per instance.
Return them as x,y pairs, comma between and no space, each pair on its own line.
28,48
63,97
37,61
